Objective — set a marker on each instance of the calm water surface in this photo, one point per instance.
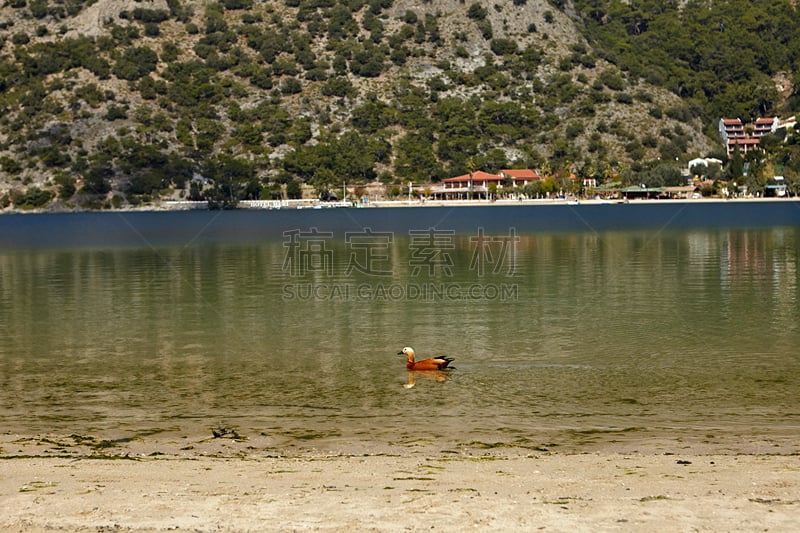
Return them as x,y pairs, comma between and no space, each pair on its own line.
572,340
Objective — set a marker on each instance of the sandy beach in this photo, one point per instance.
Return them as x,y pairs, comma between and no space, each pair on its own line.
224,485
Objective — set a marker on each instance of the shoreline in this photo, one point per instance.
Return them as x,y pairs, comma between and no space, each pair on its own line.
498,492
230,484
183,206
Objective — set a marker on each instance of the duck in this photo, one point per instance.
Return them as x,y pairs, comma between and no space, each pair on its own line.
434,363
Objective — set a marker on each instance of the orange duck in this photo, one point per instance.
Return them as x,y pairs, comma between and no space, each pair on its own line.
434,363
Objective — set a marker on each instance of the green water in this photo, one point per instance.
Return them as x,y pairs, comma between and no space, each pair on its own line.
569,341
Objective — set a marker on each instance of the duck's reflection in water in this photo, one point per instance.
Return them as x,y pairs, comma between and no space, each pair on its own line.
434,375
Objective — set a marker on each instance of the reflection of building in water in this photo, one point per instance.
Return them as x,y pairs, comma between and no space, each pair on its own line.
702,250
766,260
746,256
784,268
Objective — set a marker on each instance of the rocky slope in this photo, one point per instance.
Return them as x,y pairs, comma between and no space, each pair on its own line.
123,101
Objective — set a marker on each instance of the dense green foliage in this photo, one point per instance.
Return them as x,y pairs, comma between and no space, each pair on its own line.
233,100
720,56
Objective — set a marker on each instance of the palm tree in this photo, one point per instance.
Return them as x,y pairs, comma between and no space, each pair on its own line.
471,170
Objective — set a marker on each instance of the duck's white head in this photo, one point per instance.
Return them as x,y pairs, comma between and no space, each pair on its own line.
407,351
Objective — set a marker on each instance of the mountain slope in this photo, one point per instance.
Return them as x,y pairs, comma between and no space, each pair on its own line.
120,101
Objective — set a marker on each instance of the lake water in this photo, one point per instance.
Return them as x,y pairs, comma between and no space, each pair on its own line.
655,339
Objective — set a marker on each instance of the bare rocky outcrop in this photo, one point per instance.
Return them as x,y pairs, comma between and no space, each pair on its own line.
91,21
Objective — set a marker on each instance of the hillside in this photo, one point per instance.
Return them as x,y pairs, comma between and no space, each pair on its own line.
115,102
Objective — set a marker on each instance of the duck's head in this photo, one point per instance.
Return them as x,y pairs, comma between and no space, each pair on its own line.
408,351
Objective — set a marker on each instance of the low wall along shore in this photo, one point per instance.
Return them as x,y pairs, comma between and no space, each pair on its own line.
127,228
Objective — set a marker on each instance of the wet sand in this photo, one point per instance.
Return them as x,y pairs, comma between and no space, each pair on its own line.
223,484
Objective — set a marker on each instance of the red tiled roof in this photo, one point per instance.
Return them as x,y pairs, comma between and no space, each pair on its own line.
521,173
731,121
478,175
764,121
